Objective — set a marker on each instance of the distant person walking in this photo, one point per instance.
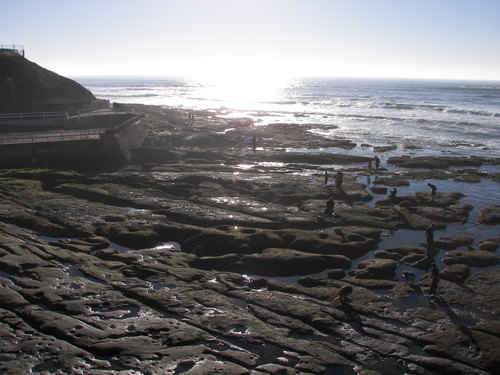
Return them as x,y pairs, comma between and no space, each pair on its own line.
254,143
433,190
326,178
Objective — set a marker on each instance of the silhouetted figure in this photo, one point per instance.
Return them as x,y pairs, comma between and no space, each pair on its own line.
330,204
370,164
433,190
190,118
339,179
392,196
254,143
429,236
434,279
326,178
408,277
343,293
377,162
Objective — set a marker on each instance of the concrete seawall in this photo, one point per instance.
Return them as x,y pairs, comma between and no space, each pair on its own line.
111,147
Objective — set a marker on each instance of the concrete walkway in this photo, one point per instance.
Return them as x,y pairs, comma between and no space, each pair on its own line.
50,136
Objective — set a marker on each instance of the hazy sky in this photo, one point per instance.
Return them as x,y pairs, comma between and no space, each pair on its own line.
356,38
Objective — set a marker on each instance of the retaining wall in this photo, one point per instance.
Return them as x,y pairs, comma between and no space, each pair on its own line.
112,147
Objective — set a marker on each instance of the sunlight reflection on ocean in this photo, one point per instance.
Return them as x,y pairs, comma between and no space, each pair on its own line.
432,117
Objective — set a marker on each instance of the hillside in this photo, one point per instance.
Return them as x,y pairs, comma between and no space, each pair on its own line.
26,87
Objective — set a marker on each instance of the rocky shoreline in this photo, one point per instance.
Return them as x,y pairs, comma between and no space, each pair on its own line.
211,254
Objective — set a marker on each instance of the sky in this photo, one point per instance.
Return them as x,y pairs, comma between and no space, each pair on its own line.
435,39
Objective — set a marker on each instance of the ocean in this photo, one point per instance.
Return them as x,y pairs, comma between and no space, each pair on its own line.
420,117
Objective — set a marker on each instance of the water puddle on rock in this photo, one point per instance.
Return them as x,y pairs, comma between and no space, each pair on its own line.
414,300
156,286
74,270
6,275
419,297
49,239
392,366
116,313
479,195
170,245
267,352
119,248
240,302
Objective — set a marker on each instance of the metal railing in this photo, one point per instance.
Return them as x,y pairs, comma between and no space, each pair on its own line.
67,135
19,49
33,116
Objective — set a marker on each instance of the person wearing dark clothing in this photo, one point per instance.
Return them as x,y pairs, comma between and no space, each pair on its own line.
377,162
434,280
429,236
254,143
342,294
392,196
433,190
339,179
330,204
408,277
326,178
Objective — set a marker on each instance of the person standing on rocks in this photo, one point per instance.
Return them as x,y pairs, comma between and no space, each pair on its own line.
392,196
429,236
339,179
433,190
330,204
377,162
326,178
408,277
191,118
434,279
342,295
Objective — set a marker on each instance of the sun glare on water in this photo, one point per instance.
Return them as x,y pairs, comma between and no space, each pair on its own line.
242,84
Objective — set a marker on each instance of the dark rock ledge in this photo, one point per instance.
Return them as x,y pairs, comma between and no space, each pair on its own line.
92,279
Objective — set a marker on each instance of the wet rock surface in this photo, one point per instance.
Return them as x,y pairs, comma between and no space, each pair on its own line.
490,215
209,257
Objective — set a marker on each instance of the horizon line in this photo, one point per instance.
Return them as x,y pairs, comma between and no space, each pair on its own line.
194,76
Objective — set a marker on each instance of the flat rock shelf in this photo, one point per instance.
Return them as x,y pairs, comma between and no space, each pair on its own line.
211,253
